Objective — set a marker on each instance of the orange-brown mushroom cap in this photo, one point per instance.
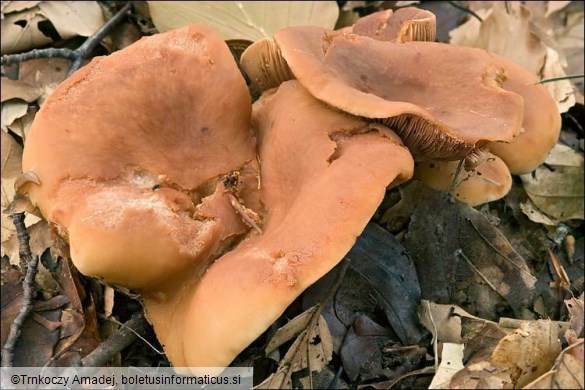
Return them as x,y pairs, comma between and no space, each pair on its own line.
541,124
442,100
323,175
489,181
403,25
127,148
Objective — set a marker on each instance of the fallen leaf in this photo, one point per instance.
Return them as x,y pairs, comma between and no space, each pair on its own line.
20,31
557,187
567,372
380,259
443,321
562,91
576,314
451,363
243,20
507,34
11,168
8,7
73,18
469,261
290,330
535,215
361,352
44,73
14,89
21,125
529,351
311,350
11,111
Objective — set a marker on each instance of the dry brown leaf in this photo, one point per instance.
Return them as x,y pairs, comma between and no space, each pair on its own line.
529,351
40,238
15,89
557,188
21,125
11,168
72,18
576,314
11,111
16,6
312,350
562,91
290,330
109,295
506,34
567,372
20,31
443,321
44,73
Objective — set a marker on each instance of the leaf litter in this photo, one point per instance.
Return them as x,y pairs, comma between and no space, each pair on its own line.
462,274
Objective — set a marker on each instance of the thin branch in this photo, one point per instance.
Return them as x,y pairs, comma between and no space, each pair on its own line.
122,338
26,258
76,56
466,10
36,54
574,76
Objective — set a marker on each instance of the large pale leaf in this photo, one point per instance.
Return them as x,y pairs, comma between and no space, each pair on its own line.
72,18
242,19
557,187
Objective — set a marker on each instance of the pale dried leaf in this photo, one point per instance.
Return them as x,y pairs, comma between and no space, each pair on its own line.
72,18
570,39
290,330
535,215
555,6
16,6
21,125
567,372
11,158
311,350
11,111
45,73
243,20
557,188
443,321
20,31
109,295
576,314
529,351
40,238
506,34
468,33
562,91
451,363
15,89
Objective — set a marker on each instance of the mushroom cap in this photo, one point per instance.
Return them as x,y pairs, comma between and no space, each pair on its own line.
541,125
403,25
323,175
127,147
442,100
489,181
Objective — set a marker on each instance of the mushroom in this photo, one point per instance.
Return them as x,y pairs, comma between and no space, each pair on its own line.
403,25
419,89
541,124
323,175
147,166
114,144
490,180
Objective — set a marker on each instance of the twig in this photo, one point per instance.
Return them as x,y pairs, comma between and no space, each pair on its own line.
466,10
122,338
76,56
30,269
574,76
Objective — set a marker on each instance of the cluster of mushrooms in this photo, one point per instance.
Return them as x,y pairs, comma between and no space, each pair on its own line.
163,177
